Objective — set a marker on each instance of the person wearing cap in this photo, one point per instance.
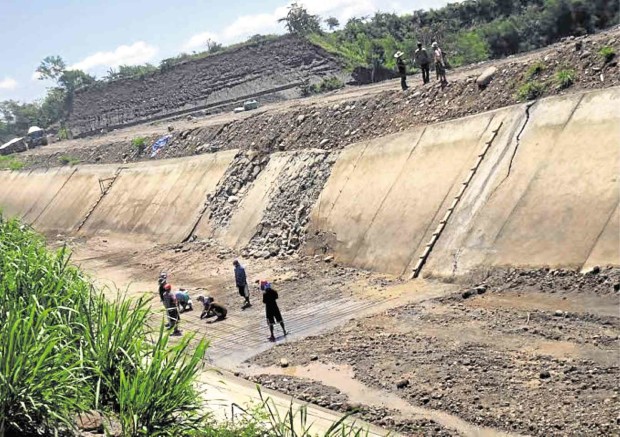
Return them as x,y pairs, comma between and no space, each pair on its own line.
242,284
440,64
170,303
272,311
402,69
422,60
211,308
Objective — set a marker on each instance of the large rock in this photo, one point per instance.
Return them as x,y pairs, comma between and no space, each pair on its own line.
486,77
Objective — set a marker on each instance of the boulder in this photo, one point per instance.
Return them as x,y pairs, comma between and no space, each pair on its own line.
486,77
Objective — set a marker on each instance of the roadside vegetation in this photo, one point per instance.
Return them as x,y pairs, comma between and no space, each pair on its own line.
470,31
65,350
10,162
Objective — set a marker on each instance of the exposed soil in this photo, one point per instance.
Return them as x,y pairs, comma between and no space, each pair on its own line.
512,357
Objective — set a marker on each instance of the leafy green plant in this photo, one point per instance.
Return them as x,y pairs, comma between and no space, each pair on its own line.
530,90
63,133
534,70
11,162
114,341
68,160
326,85
607,53
565,78
41,383
139,143
159,398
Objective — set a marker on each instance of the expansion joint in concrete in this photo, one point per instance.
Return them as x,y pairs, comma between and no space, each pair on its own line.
442,224
104,190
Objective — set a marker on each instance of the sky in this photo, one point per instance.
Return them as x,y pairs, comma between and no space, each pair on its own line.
98,35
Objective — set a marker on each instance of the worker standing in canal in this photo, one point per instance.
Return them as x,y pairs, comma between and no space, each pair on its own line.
272,311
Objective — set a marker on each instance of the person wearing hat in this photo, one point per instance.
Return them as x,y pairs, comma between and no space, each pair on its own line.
440,64
272,311
402,69
211,308
242,284
170,303
422,60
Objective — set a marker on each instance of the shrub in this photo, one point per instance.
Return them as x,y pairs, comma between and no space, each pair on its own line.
534,70
63,133
11,162
326,85
139,143
564,78
530,90
68,160
607,53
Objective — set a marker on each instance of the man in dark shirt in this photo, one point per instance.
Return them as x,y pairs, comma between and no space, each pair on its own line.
212,308
170,303
242,284
402,69
270,296
423,61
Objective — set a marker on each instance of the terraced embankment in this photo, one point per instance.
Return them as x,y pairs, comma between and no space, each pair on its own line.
528,185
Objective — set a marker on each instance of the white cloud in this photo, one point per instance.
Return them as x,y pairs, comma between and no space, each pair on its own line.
137,53
8,83
267,22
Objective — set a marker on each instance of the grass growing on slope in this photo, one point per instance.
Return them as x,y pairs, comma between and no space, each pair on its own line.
10,162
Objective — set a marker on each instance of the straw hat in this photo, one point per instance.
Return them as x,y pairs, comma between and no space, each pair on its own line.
398,54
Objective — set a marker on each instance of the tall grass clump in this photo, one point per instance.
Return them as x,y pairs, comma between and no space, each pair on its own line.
66,349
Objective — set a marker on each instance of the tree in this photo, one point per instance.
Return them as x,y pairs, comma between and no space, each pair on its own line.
300,22
51,68
332,23
213,46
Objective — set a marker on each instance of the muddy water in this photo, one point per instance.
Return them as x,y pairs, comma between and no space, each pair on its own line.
343,378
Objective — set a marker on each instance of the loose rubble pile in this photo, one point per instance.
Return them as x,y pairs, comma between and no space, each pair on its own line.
238,177
598,280
332,398
282,230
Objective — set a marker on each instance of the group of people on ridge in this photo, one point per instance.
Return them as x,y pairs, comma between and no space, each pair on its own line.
175,303
422,60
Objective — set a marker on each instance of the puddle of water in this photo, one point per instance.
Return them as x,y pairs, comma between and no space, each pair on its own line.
343,378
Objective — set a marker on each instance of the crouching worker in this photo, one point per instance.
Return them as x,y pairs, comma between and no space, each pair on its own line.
212,309
170,303
184,301
272,311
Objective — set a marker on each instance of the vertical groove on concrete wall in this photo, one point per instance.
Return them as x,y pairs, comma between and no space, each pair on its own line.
442,224
103,193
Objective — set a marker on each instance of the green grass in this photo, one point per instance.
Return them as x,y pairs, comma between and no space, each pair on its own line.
10,162
68,160
139,143
607,53
565,78
535,70
530,90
